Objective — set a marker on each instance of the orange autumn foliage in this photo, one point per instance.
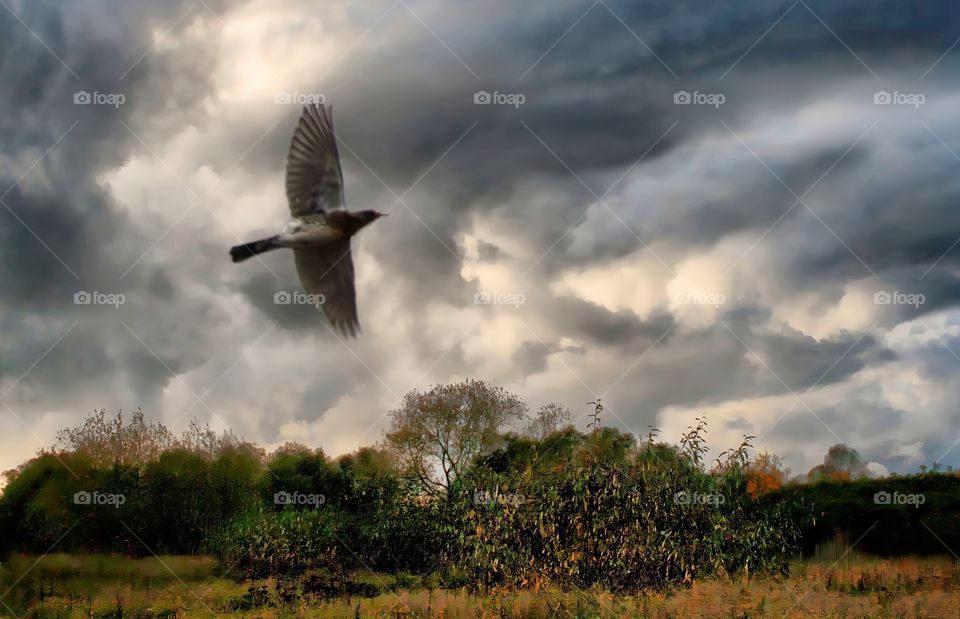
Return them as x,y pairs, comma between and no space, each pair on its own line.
765,474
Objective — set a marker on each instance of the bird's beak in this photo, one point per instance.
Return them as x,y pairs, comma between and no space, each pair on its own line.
379,215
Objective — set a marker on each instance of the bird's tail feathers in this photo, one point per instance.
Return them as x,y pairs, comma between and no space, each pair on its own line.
239,253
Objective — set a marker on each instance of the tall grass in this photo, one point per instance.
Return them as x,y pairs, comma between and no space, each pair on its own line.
116,586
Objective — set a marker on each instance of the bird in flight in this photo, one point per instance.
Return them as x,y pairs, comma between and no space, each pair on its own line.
320,230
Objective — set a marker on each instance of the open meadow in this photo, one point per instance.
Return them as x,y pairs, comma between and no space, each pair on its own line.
182,586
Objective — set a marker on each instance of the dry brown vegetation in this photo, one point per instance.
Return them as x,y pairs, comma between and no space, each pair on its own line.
855,586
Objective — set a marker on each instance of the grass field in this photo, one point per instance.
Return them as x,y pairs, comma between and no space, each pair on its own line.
178,586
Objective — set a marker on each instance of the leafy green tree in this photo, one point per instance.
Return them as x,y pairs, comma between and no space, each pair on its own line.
297,469
435,435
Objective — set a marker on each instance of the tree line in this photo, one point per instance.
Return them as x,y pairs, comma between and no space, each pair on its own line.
466,486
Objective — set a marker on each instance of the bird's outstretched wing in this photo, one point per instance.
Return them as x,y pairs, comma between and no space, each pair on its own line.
329,271
314,177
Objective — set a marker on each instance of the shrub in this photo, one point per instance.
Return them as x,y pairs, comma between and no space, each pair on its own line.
263,543
614,517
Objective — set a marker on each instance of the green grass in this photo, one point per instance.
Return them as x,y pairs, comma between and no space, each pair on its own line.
99,585
186,586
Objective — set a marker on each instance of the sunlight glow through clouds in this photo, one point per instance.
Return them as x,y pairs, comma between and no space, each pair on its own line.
636,282
272,46
812,314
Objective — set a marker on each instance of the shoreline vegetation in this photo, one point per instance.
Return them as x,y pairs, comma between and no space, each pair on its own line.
469,506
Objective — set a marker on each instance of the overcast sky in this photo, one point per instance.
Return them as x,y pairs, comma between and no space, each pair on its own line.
747,210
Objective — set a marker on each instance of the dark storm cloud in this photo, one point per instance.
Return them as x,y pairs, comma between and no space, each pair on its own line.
800,361
267,295
937,358
404,108
897,213
61,232
740,424
845,422
574,103
624,329
488,251
531,358
712,365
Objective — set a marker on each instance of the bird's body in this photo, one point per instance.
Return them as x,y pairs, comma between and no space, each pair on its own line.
320,230
310,231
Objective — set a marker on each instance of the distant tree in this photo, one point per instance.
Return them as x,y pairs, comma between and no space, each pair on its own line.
108,441
548,419
842,463
605,445
293,448
368,462
294,468
205,441
135,442
436,434
766,474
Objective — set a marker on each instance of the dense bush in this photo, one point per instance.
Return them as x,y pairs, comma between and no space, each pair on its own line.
614,516
262,542
168,506
365,516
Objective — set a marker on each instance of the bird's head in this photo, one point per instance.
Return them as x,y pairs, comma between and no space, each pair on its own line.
367,217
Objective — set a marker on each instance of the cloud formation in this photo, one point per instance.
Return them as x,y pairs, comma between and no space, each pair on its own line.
740,210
